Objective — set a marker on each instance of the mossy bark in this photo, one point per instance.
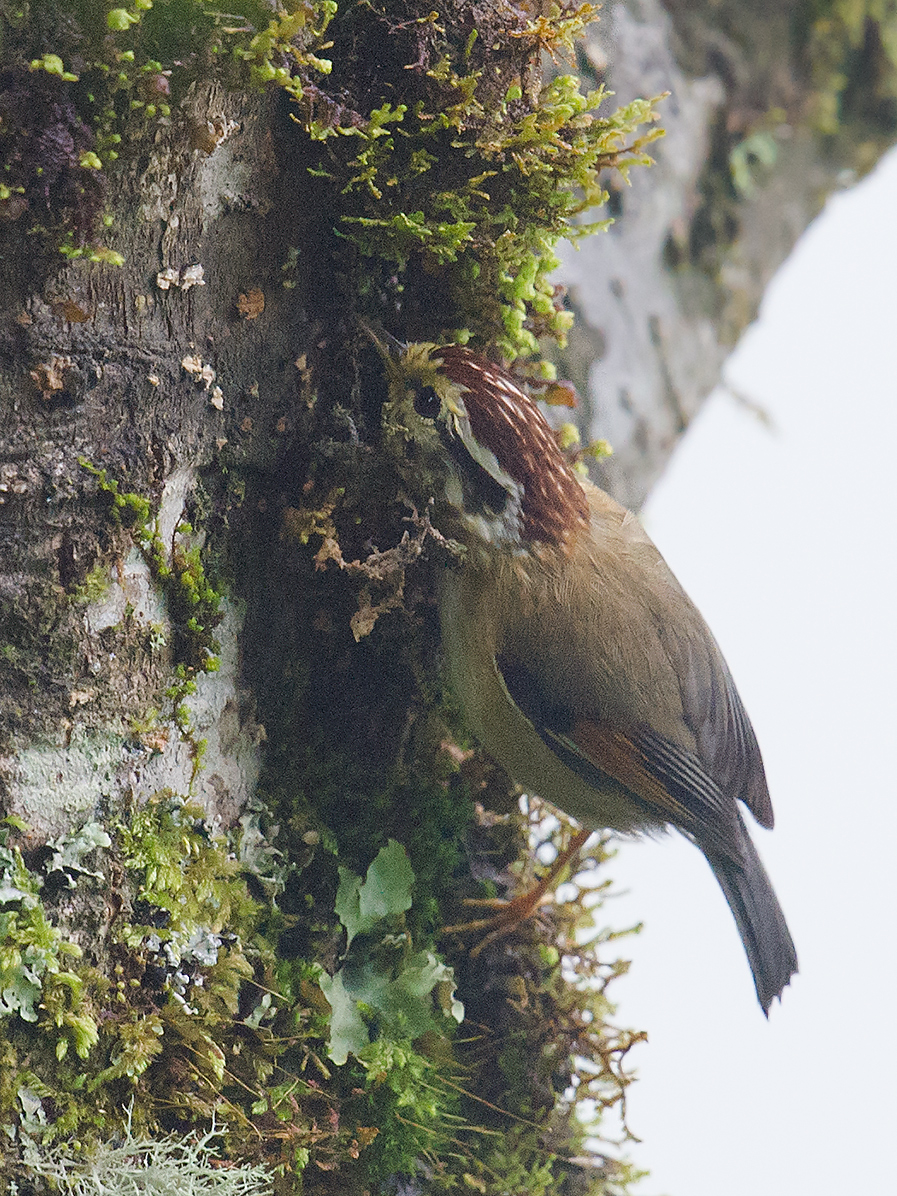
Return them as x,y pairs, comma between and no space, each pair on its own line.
219,659
221,692
772,108
103,371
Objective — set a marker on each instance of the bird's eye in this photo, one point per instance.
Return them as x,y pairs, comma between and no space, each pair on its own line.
427,402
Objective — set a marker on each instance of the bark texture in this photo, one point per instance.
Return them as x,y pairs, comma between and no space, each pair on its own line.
198,770
748,160
120,369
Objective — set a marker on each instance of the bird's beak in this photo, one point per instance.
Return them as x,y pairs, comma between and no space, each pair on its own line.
387,346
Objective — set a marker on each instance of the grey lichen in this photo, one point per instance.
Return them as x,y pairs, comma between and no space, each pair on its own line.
138,1166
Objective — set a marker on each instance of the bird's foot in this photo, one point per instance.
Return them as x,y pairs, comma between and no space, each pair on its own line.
506,917
509,914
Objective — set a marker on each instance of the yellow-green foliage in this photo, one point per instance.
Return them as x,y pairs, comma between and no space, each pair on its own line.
455,170
174,1166
495,196
192,1014
159,1029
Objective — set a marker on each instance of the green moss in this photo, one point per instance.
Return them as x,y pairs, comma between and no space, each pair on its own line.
195,1008
194,605
238,1018
454,172
94,588
188,1014
417,1115
37,983
448,159
167,1004
134,63
495,199
128,510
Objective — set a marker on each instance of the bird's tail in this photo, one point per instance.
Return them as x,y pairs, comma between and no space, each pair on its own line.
758,915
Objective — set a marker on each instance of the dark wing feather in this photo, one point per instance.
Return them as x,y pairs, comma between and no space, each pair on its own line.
672,785
668,781
717,728
725,741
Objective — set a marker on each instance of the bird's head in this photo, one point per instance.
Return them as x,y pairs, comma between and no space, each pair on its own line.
479,442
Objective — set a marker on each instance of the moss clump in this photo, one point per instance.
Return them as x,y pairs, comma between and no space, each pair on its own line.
157,1028
194,1018
194,605
94,587
439,153
454,170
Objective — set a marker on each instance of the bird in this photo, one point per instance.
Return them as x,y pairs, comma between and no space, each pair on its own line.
578,660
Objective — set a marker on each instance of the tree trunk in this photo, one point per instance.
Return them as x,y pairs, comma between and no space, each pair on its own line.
220,691
770,110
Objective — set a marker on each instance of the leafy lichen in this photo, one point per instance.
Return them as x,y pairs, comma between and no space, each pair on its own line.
37,980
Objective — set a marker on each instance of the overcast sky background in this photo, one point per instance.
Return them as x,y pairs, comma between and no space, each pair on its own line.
785,538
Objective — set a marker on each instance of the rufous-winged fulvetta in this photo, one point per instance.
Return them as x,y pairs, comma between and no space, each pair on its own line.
579,661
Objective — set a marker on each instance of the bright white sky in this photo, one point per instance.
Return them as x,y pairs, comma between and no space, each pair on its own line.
787,541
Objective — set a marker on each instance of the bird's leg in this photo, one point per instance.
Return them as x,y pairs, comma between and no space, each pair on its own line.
509,914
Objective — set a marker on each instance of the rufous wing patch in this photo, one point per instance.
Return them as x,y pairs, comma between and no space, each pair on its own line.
665,779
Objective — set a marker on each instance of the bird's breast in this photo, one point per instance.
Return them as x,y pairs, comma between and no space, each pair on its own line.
476,608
